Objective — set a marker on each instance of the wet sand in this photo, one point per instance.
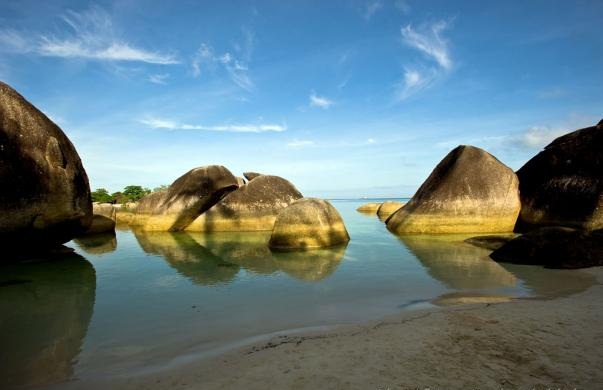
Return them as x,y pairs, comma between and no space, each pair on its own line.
525,344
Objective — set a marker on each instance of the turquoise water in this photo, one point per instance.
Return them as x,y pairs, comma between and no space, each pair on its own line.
142,301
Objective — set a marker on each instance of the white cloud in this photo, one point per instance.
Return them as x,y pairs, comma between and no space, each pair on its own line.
297,144
158,123
538,136
372,8
159,78
414,81
371,141
235,67
13,41
430,42
91,36
320,101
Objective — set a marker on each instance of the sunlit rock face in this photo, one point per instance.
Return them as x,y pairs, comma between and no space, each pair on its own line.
252,207
308,223
44,190
457,264
469,191
369,208
46,309
185,199
563,184
387,208
251,175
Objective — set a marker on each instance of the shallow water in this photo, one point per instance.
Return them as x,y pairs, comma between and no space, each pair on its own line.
142,301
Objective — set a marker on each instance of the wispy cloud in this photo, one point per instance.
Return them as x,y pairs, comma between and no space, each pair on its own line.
90,35
166,124
159,78
429,41
537,136
551,93
402,6
236,67
371,8
298,144
320,101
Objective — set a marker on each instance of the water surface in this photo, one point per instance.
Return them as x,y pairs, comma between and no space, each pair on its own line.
136,301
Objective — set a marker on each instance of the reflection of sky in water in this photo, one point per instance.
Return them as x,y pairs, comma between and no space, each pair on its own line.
162,295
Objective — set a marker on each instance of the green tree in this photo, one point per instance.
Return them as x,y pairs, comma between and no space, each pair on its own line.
135,193
119,197
160,188
101,195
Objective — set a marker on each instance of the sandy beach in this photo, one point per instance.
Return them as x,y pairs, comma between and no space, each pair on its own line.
524,344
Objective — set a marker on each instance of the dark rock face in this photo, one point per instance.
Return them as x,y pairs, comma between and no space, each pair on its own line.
44,190
490,242
308,223
469,191
251,175
563,184
190,195
554,247
252,207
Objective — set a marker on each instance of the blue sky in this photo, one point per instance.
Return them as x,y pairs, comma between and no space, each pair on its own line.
343,98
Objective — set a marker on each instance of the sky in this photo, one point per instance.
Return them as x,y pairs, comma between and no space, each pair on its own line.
345,99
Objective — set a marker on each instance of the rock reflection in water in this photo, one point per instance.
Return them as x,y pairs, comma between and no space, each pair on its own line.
457,264
209,258
247,249
97,244
46,309
310,265
187,257
551,283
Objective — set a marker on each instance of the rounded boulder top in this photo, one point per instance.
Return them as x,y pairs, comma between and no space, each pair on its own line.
44,189
469,191
308,223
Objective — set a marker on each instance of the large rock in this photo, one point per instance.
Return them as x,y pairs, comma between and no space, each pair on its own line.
103,219
554,247
44,190
104,209
251,175
387,208
469,191
189,196
369,208
252,207
146,207
563,184
308,223
100,224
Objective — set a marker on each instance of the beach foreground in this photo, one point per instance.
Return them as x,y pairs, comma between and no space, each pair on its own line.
526,344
